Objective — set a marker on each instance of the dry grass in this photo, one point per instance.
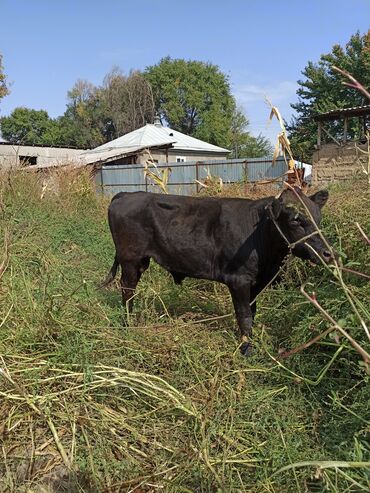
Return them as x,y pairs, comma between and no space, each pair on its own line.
167,403
252,191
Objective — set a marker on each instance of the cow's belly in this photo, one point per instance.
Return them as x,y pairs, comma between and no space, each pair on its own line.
195,262
186,263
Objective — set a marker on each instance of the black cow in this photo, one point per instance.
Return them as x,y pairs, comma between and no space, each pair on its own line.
239,242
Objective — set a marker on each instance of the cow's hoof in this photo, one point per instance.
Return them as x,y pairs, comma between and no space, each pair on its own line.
246,349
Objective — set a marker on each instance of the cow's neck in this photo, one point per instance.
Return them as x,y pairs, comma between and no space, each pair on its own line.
273,248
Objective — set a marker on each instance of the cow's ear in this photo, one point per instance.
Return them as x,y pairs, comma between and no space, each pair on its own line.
320,198
275,208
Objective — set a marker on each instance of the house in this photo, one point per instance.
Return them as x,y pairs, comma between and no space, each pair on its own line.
165,144
119,164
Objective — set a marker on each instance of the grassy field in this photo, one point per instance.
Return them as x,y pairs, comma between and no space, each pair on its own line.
167,403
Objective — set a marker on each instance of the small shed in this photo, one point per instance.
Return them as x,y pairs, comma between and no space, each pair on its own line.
342,145
36,155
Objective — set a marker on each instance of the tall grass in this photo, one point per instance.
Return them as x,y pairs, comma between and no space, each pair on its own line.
167,403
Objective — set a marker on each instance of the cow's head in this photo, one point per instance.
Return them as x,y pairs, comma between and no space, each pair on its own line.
291,215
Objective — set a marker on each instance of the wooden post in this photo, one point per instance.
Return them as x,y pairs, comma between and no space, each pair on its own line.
364,127
102,179
345,129
319,134
197,175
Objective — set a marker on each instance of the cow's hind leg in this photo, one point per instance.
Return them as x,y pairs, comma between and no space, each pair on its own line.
177,277
244,315
131,273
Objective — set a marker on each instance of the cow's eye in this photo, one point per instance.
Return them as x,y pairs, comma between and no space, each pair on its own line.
295,223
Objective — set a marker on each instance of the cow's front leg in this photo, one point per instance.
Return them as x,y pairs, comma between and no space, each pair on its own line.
244,315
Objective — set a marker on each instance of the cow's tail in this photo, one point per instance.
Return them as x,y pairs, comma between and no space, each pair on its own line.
111,275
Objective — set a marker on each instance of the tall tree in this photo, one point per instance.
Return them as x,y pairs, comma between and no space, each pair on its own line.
95,115
4,90
127,101
27,126
193,97
242,143
322,90
81,124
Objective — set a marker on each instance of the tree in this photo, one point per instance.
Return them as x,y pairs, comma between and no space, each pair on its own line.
35,127
127,101
27,126
243,144
81,124
77,127
259,146
193,97
4,90
322,90
96,115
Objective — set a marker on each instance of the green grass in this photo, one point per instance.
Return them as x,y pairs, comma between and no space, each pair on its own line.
167,403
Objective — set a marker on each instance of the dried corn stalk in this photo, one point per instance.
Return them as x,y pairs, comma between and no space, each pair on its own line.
283,148
159,177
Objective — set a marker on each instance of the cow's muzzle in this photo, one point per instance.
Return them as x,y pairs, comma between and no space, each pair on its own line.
323,256
327,256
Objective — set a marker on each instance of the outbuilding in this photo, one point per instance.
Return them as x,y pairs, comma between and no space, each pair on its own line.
343,144
36,155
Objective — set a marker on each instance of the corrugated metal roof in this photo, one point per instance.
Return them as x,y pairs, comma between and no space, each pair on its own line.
105,154
354,111
94,156
154,135
147,137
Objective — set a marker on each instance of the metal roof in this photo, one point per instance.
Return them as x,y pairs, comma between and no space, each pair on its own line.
95,156
156,135
148,137
102,154
23,144
344,112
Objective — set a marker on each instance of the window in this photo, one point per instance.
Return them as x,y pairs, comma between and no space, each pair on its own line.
180,159
28,160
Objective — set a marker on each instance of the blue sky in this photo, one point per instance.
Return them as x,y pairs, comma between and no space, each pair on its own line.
262,45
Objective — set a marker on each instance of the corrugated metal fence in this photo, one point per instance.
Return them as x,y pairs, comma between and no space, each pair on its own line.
112,179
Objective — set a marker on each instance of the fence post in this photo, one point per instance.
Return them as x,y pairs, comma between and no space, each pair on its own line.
245,170
102,179
197,176
98,178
